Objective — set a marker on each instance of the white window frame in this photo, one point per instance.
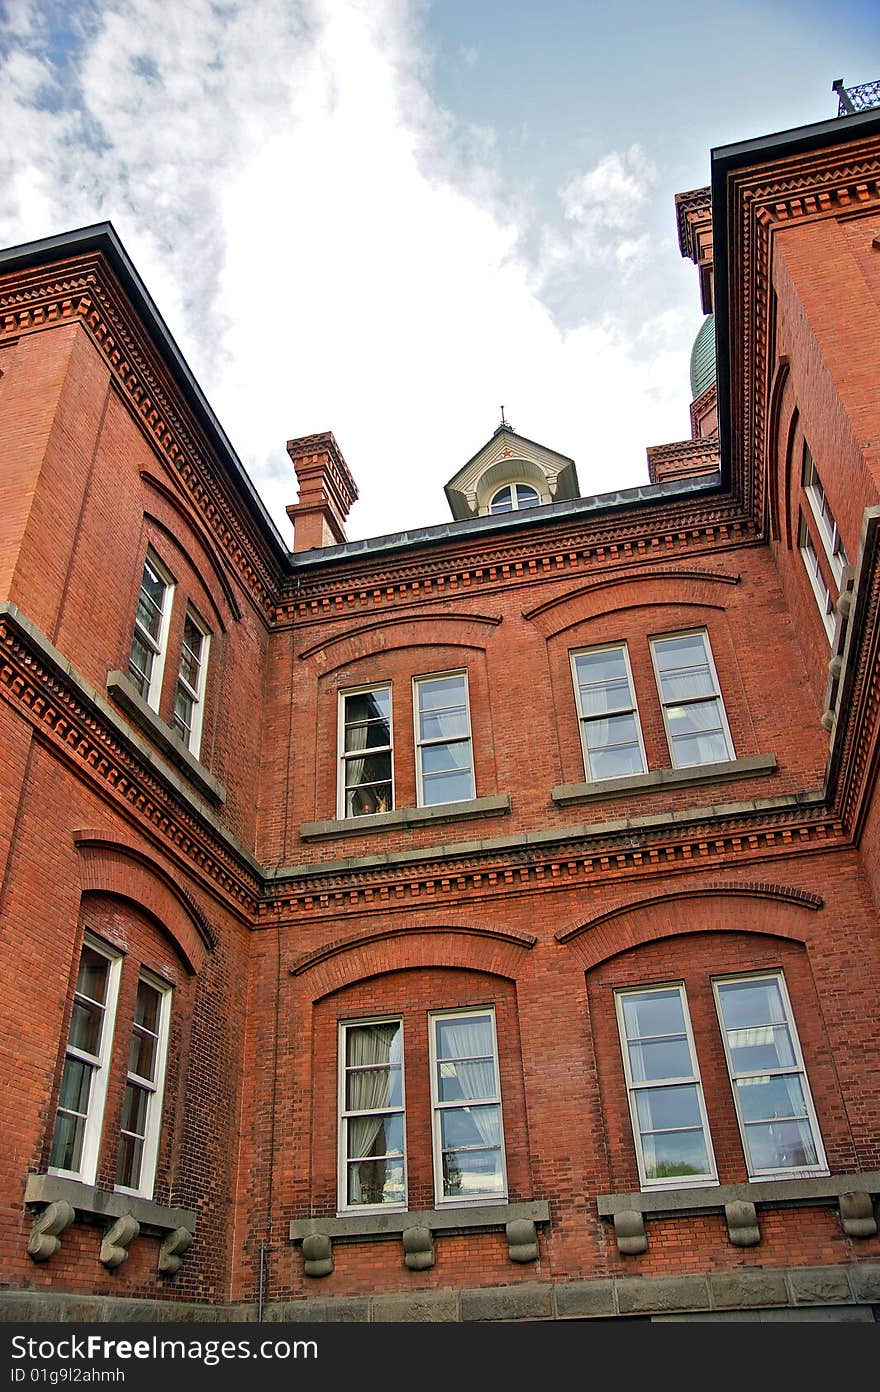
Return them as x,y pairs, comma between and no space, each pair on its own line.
829,531
195,694
715,695
99,1063
515,505
342,757
798,1068
812,565
421,744
159,645
155,1087
455,1201
343,1114
585,719
633,1086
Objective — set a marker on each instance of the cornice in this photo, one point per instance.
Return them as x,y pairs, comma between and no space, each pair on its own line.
452,572
73,723
85,290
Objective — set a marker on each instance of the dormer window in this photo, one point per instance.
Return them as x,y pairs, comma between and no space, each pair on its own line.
513,497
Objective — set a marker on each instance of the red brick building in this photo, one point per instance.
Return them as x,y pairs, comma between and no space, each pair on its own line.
472,923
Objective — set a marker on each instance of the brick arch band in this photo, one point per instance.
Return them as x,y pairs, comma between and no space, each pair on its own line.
119,868
342,963
633,924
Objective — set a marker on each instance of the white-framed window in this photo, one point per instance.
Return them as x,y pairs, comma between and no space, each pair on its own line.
444,755
611,736
79,1117
372,1115
469,1160
189,697
828,529
366,775
150,638
774,1107
820,589
666,1103
513,497
145,1083
693,710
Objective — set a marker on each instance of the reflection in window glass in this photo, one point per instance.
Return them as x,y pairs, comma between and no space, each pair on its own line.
693,711
609,721
468,1133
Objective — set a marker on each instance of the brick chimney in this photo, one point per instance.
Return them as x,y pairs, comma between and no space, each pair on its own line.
326,492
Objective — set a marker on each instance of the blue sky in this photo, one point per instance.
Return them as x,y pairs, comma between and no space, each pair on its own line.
385,218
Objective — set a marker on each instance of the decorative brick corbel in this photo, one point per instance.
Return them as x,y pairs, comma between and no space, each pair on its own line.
522,1240
418,1248
45,1238
629,1229
117,1239
317,1252
742,1223
172,1251
857,1214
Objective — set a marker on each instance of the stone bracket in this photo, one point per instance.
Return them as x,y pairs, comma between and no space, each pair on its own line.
629,1229
857,1214
117,1239
172,1251
45,1238
418,1248
742,1223
522,1240
317,1254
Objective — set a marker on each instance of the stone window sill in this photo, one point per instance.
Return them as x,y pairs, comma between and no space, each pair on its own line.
126,695
416,1229
738,1202
61,1201
755,765
406,817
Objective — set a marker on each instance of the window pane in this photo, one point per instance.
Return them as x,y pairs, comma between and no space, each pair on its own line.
660,1058
618,729
667,1108
760,1048
368,1089
436,693
446,758
674,1154
134,1109
142,1053
469,1173
149,614
86,1022
699,749
381,1043
363,802
76,1081
607,664
376,734
526,496
376,1182
375,1136
751,1002
93,975
502,502
616,763
765,1098
369,705
652,1012
447,787
780,1145
466,1080
443,724
67,1142
609,696
128,1164
470,1126
470,1037
694,719
684,650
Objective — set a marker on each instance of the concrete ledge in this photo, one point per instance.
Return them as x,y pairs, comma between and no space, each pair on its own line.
752,766
126,695
405,817
106,1203
776,1192
355,1227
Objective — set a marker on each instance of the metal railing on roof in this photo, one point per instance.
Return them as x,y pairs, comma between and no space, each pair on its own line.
853,99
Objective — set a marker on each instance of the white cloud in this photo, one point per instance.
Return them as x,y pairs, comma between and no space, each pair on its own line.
303,215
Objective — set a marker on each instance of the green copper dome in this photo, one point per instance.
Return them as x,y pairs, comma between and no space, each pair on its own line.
703,358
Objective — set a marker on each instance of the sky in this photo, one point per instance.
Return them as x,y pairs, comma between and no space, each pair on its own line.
388,218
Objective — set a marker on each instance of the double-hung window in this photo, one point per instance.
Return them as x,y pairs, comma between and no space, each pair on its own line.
142,1105
366,780
150,639
469,1163
828,529
190,693
80,1113
666,1103
444,756
776,1116
609,720
693,711
372,1137
818,585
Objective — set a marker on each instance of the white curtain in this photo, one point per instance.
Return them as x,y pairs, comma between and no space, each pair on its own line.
475,1076
369,1047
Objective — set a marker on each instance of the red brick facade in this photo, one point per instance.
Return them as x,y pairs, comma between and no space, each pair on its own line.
233,876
